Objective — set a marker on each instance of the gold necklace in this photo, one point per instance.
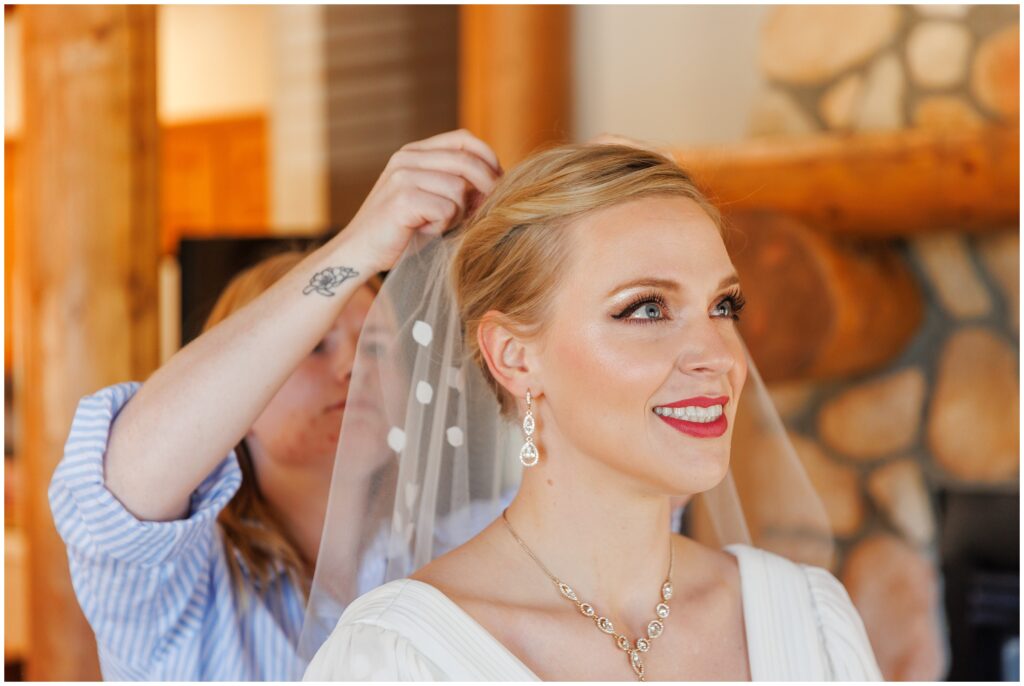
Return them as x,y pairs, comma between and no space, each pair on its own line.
633,649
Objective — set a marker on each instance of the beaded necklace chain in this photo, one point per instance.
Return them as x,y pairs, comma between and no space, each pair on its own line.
633,649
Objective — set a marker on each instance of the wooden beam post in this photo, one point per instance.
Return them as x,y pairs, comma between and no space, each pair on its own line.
873,185
515,76
86,248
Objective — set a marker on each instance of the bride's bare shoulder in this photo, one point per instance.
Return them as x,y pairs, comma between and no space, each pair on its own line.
466,571
706,566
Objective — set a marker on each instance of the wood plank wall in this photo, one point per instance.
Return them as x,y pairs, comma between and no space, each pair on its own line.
392,78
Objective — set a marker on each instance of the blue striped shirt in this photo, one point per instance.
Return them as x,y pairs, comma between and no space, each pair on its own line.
158,595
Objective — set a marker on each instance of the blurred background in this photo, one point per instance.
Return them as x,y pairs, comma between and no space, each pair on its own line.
866,159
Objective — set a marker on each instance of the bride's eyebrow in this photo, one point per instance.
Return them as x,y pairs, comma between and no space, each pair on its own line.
667,284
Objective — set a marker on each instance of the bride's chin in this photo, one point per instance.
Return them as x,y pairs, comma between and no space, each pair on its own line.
693,477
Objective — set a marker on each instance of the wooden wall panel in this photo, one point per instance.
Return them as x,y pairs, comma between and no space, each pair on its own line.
214,180
186,187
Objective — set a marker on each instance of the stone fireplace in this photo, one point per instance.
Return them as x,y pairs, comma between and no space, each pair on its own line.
883,158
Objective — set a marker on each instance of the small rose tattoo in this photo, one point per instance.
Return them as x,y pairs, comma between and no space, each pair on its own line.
332,277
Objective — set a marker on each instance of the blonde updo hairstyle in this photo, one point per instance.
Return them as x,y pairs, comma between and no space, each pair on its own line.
511,250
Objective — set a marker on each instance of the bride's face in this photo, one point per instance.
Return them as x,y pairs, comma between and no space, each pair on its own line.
643,319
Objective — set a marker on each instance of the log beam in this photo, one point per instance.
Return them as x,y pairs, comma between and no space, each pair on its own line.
515,72
87,247
875,185
819,306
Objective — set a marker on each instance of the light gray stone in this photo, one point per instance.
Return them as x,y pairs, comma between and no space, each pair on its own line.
809,44
945,260
1001,254
937,53
836,483
944,11
899,490
838,103
878,416
881,108
973,430
775,113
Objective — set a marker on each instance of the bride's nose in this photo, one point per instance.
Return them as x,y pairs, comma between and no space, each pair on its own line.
704,349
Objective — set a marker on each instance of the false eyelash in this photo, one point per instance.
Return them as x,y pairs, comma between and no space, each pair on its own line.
642,299
737,299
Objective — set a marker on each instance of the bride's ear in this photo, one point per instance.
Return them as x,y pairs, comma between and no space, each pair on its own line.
505,354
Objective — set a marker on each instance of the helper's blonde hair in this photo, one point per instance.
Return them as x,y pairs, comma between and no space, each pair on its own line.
253,530
512,249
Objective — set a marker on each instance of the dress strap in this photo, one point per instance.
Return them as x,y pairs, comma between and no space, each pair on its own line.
784,636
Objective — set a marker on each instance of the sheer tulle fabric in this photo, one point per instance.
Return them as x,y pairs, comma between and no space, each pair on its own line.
424,462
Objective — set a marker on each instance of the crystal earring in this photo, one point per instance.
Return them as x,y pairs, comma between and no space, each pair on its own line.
529,455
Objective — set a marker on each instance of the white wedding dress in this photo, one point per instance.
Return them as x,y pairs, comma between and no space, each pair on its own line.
800,626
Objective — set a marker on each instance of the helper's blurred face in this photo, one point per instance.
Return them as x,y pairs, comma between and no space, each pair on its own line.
301,424
643,318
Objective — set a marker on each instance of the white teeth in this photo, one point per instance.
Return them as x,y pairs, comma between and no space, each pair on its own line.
701,415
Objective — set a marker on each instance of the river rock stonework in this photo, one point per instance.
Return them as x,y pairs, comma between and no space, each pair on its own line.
944,413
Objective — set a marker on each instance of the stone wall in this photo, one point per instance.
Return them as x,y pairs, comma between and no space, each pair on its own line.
944,414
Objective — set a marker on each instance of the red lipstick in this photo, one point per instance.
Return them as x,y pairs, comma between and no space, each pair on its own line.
700,401
698,429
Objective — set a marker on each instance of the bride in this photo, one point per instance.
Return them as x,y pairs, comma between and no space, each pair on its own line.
576,338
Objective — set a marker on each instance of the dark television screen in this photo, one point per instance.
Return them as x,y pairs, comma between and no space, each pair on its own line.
208,264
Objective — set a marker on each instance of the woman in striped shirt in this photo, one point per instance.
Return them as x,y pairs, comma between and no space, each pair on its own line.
192,505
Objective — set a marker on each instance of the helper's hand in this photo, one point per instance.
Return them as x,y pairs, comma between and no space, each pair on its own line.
427,186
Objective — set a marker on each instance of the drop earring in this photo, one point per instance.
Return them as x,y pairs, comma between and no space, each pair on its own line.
529,455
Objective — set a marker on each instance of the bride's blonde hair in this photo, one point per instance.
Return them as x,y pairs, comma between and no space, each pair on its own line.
512,248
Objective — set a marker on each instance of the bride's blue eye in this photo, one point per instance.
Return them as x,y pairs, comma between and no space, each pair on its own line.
735,301
646,309
650,310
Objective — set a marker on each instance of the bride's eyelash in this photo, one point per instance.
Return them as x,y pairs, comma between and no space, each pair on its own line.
643,299
736,297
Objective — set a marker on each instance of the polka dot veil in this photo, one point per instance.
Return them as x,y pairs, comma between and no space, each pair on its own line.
424,461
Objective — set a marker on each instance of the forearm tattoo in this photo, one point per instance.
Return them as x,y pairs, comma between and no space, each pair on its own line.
327,279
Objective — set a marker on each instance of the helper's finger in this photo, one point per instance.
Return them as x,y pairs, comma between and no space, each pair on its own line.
458,162
459,139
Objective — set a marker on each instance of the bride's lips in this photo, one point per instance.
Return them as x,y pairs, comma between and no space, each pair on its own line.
699,429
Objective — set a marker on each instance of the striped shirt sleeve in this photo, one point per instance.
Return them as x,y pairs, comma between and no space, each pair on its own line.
141,584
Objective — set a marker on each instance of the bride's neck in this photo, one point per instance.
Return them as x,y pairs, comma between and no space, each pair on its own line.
596,531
